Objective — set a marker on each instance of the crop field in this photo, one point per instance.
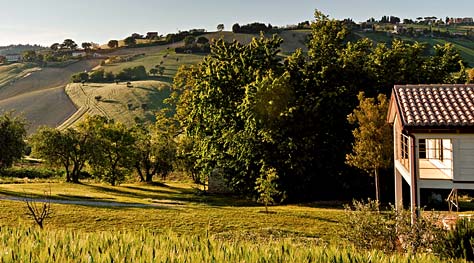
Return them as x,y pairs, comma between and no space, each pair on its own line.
11,73
172,222
40,95
121,102
147,246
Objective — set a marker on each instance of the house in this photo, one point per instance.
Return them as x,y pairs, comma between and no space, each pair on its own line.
13,57
433,128
78,53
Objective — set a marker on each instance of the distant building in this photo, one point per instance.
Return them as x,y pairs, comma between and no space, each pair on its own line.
13,57
78,53
151,35
460,20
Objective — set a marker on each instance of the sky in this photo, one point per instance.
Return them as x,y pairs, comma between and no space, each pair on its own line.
45,22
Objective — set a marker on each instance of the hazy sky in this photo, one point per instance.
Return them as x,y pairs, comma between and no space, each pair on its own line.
47,21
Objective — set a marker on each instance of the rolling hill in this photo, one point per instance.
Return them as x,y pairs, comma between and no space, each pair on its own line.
39,93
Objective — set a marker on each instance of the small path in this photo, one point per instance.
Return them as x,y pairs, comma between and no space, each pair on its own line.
83,202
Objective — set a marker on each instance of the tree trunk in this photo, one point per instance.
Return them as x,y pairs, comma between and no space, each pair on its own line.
377,188
140,174
149,177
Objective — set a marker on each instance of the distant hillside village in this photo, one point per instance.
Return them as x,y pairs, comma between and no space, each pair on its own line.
431,26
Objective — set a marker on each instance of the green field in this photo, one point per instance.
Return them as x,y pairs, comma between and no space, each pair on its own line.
171,61
173,206
464,46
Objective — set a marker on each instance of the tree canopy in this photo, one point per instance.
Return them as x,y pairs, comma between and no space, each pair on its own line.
12,139
246,108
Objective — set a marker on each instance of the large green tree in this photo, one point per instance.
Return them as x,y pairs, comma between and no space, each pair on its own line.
12,139
372,147
155,148
70,149
112,156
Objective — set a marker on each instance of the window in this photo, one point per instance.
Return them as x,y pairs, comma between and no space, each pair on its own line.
404,151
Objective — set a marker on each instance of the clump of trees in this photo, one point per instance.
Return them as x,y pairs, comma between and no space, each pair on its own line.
253,28
126,74
109,149
245,107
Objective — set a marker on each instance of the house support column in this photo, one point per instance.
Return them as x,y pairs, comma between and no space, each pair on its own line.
398,191
414,191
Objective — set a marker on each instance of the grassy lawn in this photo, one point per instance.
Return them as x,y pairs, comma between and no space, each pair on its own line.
117,101
176,207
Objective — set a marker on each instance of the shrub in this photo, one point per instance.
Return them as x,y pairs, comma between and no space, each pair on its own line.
30,173
458,242
390,230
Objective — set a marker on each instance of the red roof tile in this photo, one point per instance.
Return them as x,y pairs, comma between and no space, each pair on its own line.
435,105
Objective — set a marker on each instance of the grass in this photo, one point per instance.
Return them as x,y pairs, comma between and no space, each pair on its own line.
175,207
146,246
117,101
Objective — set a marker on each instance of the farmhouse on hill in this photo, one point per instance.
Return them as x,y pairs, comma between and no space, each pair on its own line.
433,128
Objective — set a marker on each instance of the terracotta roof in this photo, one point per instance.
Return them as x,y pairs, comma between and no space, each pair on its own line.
434,106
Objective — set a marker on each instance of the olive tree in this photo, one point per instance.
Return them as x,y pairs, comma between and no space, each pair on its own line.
69,149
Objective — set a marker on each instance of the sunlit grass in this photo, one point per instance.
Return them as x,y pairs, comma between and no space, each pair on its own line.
31,245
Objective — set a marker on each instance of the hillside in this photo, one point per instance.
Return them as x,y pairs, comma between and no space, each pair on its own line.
40,96
18,49
117,101
464,46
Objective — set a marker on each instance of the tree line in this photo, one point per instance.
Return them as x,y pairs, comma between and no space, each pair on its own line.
109,150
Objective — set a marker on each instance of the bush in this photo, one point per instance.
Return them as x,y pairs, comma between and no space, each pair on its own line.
30,173
370,228
458,242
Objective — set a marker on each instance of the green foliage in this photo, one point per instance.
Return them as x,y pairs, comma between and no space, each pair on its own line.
112,156
189,40
80,77
245,106
135,73
113,44
97,76
369,228
267,187
372,148
12,139
458,242
69,149
155,148
214,119
30,173
68,44
130,41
